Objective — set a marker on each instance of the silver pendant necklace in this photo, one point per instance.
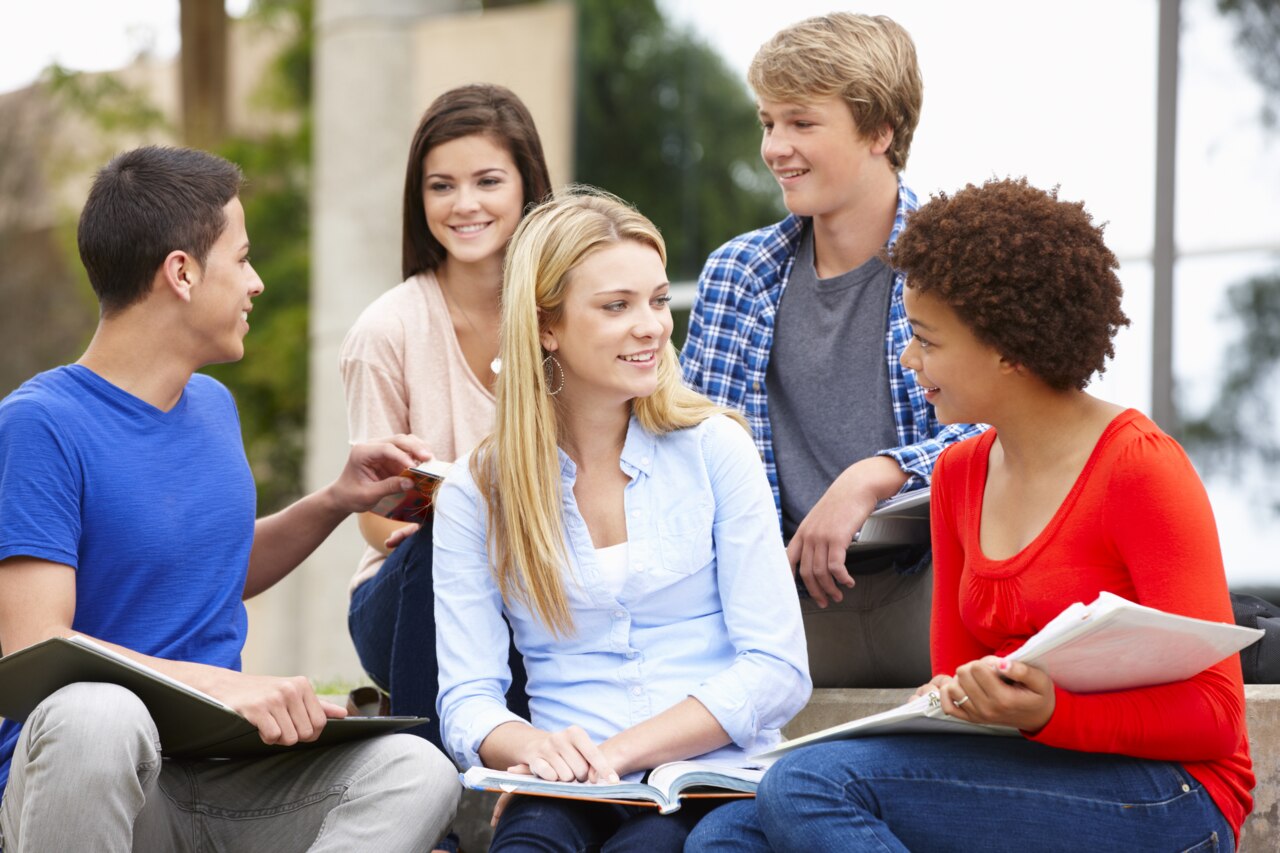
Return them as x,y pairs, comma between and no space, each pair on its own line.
495,366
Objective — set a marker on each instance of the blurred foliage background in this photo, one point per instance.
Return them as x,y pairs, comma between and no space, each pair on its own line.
1240,431
661,121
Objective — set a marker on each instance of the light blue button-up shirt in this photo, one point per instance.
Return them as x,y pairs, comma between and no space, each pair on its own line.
708,608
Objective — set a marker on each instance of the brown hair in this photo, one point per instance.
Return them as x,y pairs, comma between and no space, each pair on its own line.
143,205
868,61
478,108
1028,273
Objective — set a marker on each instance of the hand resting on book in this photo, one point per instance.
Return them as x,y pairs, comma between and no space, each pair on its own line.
284,710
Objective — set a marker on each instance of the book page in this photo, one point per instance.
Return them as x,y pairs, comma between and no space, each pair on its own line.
676,776
100,649
483,778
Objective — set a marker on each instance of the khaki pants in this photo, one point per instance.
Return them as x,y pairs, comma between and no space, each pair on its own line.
87,775
877,637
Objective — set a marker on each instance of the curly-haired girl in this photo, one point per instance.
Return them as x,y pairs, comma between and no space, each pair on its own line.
1014,300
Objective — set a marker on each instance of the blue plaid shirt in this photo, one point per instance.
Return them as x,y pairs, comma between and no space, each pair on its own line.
731,335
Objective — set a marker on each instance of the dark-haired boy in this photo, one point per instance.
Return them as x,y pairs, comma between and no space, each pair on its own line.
838,424
127,515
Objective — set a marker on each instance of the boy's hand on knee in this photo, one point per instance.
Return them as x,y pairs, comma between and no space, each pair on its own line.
818,549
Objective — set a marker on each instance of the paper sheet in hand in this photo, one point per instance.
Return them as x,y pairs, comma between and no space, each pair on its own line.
1111,644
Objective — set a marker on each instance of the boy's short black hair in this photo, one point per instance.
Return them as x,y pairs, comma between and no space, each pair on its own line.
1028,273
147,203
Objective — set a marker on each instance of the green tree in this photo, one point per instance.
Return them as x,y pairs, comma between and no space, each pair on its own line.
1240,430
663,122
270,383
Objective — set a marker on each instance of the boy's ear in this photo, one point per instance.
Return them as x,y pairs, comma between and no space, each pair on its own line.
179,274
883,139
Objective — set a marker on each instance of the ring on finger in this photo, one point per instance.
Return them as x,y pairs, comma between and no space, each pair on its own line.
961,701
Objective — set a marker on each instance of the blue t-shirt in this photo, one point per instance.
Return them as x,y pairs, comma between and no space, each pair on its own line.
154,510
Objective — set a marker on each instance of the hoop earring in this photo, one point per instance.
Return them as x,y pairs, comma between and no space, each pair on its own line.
551,367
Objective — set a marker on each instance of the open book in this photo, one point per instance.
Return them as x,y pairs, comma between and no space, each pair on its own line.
415,504
664,787
191,724
1111,644
901,520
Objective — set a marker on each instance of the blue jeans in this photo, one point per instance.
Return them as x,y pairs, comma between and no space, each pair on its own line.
392,620
550,825
966,792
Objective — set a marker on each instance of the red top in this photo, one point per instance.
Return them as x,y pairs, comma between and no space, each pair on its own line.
1137,523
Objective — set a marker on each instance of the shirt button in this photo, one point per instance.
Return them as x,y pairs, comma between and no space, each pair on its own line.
755,386
637,691
618,614
644,460
641,567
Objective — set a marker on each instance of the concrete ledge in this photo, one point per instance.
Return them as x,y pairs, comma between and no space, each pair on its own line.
1262,828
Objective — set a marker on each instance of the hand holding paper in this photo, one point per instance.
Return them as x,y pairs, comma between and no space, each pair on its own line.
1001,693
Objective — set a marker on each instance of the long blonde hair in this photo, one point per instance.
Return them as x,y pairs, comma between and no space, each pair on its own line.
517,467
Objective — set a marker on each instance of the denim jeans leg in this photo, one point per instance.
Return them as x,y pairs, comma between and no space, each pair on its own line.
392,620
731,828
647,831
415,674
548,824
372,614
971,792
551,825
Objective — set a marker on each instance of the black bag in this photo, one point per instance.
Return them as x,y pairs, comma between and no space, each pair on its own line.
1260,661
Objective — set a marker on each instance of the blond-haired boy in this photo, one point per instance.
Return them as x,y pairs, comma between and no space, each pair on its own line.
838,422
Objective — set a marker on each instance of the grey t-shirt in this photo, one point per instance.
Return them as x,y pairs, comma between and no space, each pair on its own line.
828,381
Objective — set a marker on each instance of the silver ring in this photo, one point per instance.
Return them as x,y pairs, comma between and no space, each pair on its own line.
961,701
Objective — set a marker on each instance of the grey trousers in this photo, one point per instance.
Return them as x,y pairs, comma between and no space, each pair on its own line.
87,775
877,637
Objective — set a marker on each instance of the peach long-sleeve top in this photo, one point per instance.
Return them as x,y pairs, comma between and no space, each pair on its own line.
404,372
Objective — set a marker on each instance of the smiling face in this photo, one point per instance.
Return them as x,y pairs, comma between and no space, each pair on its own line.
613,326
817,155
961,375
473,197
222,292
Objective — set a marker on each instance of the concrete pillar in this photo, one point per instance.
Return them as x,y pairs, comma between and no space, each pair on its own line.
363,66
378,65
